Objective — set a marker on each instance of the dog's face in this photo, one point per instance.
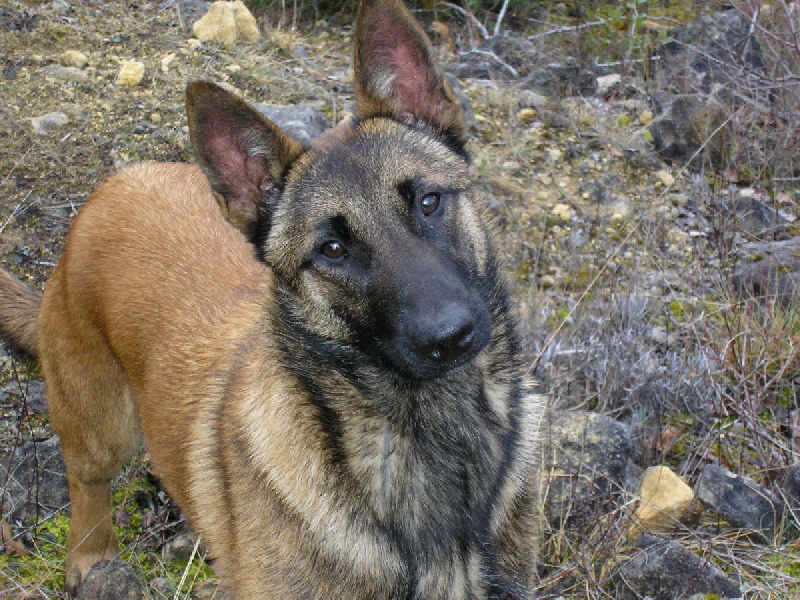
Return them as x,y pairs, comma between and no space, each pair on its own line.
374,232
379,238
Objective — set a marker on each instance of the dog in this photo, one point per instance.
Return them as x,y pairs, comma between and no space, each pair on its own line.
315,345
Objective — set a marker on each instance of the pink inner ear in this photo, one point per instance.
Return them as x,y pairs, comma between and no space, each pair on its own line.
239,175
392,47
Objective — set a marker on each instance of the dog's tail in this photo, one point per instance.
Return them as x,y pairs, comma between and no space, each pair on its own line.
19,306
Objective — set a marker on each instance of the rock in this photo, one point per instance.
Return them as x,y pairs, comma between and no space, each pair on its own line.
180,547
130,74
304,122
585,459
608,84
554,155
526,116
749,215
49,122
659,335
227,23
190,10
562,80
530,99
107,580
246,24
740,500
690,129
211,589
665,177
61,7
769,271
74,58
664,570
30,392
167,61
36,480
664,499
162,588
560,213
60,74
791,489
715,49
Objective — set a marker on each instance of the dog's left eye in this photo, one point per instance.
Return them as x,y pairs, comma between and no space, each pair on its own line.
333,250
430,203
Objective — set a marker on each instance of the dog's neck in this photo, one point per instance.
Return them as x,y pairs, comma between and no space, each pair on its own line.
455,435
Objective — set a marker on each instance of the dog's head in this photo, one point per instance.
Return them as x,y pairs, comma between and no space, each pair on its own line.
373,232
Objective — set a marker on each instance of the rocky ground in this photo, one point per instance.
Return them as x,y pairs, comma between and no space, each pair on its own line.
623,268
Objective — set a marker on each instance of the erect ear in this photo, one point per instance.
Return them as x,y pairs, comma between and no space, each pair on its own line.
244,155
395,74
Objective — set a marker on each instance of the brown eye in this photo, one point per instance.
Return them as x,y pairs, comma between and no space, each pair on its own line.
429,204
333,250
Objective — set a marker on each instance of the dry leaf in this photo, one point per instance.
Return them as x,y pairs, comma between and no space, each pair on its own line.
11,546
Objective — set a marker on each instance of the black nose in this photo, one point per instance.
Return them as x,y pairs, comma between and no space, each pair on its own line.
446,336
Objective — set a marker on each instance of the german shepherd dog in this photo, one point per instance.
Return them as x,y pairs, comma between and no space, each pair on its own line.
330,388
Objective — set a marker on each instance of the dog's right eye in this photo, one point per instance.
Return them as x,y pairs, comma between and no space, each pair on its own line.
333,250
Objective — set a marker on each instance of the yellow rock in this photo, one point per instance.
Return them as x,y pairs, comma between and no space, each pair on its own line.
560,213
664,499
665,178
227,23
167,61
74,58
246,24
526,116
130,74
645,117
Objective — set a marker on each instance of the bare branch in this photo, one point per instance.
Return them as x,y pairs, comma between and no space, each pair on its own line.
500,17
469,16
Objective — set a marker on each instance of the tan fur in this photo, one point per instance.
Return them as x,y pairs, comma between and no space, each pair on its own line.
18,310
290,406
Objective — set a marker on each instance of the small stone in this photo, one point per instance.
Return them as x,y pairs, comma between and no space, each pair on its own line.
659,335
130,74
162,587
49,122
664,499
526,116
561,213
62,7
167,61
530,99
645,117
181,547
678,237
211,589
607,83
554,155
665,178
194,43
60,73
74,58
